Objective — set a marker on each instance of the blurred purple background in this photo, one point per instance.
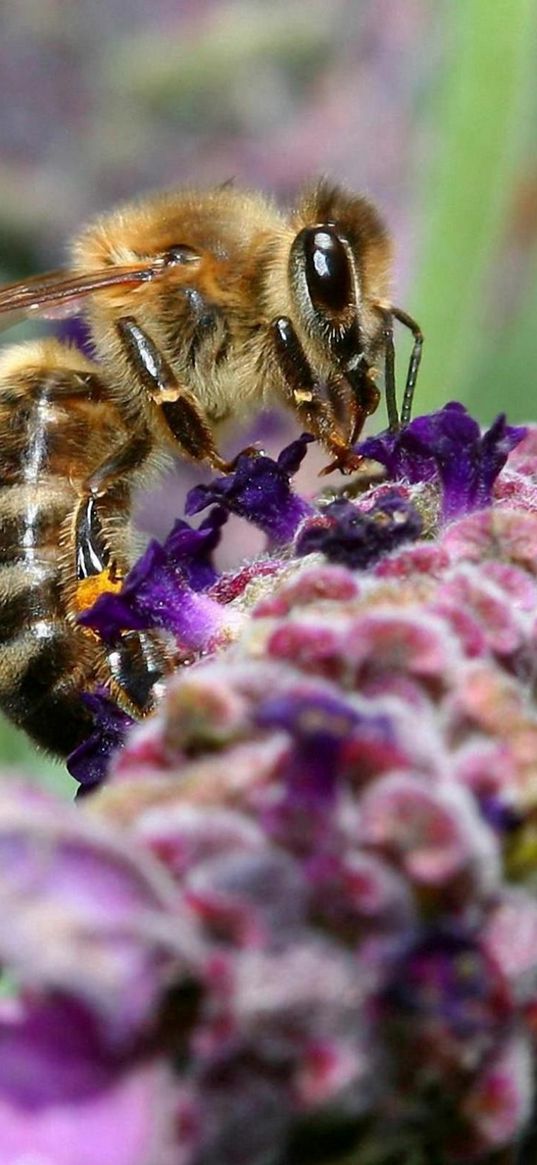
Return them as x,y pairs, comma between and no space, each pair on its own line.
101,102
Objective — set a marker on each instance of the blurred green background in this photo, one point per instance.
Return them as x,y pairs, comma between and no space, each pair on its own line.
429,106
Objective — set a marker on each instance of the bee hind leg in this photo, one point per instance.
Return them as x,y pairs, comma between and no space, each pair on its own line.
137,661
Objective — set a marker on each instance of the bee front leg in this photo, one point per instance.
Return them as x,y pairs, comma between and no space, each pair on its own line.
178,407
315,401
389,370
414,363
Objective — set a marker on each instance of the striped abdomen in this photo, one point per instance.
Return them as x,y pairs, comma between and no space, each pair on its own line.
56,426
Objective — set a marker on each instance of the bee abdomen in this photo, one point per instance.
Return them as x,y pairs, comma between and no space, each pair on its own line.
38,689
28,595
42,656
46,660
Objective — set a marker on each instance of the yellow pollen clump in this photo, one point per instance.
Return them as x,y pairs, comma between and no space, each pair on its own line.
89,589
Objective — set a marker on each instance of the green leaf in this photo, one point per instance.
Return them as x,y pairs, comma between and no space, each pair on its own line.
480,130
18,754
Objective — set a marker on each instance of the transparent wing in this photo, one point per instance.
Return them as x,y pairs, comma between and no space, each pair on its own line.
58,294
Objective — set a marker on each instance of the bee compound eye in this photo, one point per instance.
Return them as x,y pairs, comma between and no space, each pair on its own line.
327,269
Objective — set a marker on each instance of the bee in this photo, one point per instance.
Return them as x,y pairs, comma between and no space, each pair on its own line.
200,306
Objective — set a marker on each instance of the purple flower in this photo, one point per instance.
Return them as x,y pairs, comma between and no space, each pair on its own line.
448,447
259,489
191,550
319,725
72,1096
325,731
359,538
164,590
446,981
84,917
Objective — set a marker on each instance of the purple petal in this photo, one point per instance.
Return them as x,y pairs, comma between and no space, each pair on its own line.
325,729
451,993
85,913
191,550
496,445
88,763
259,490
401,462
65,1098
290,459
448,446
503,818
319,724
359,538
156,594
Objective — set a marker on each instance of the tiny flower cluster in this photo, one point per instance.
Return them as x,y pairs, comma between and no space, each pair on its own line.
298,919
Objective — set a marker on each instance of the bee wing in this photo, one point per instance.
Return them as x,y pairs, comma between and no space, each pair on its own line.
62,293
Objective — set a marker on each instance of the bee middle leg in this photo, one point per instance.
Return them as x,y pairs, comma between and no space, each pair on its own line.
326,408
179,408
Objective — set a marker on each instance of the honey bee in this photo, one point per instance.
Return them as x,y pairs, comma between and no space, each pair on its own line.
200,306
